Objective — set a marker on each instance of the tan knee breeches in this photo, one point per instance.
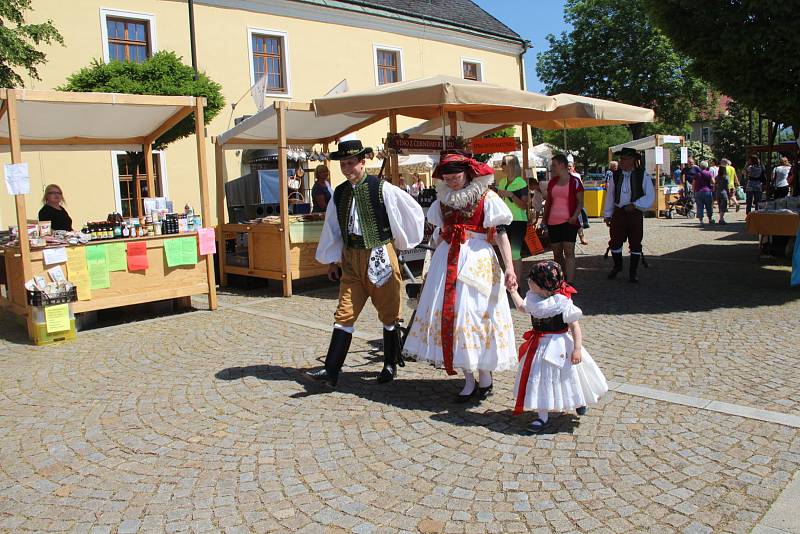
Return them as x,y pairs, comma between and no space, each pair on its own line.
355,288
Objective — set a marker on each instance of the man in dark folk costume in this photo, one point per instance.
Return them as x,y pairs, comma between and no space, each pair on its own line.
367,220
629,193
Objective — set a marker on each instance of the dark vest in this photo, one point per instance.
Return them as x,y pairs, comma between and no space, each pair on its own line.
551,324
637,190
372,213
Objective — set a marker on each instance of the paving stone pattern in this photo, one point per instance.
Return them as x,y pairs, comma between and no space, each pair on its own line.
201,422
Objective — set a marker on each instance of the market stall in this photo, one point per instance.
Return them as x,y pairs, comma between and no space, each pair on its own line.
657,161
109,269
279,246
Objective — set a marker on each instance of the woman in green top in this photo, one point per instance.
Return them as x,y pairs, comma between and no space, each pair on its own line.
513,189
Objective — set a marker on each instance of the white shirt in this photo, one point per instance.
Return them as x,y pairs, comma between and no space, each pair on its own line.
714,171
781,175
643,203
406,220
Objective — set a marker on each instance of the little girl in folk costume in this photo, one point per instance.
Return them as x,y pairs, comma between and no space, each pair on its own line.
463,319
555,372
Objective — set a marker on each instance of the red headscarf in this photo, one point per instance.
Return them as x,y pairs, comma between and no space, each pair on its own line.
455,163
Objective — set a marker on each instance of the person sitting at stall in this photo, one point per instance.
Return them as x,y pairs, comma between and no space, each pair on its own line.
53,209
321,192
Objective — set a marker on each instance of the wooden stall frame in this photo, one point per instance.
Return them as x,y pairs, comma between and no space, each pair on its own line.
187,105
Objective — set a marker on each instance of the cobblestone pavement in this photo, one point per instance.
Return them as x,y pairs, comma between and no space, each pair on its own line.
201,422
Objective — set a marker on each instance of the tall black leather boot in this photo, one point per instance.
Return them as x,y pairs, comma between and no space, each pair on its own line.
617,257
633,277
391,355
337,352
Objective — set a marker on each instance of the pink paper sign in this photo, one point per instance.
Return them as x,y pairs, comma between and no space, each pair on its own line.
208,241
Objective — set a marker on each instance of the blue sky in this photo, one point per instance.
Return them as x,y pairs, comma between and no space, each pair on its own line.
532,19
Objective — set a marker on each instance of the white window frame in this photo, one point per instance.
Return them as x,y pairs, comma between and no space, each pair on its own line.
162,169
402,67
286,65
116,13
481,68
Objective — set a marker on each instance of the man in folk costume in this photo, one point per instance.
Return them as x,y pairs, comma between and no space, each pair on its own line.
366,221
629,193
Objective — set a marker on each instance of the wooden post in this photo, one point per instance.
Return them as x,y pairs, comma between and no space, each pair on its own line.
219,162
284,192
19,200
205,211
327,162
148,169
452,118
525,161
659,189
393,159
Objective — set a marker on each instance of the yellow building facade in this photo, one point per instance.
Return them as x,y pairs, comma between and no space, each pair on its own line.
310,47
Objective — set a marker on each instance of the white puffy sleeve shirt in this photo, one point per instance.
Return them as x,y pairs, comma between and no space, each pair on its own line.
406,220
550,307
495,211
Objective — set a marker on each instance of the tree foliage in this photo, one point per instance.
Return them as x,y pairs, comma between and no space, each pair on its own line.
162,74
18,42
589,146
614,52
746,49
732,133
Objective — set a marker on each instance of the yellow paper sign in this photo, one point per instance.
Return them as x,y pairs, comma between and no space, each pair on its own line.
76,262
83,285
56,318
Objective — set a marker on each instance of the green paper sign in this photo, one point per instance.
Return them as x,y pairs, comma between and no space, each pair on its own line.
116,257
181,251
98,267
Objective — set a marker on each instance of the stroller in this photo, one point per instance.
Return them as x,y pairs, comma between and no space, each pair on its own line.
684,205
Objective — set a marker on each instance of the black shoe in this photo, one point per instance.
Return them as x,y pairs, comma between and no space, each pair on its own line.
537,426
484,393
334,360
632,273
391,355
581,410
463,399
617,257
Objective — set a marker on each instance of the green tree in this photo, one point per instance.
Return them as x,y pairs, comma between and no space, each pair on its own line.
614,52
162,74
732,133
589,146
18,42
744,48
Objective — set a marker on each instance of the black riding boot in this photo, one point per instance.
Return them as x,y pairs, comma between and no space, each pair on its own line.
337,352
617,257
391,355
633,277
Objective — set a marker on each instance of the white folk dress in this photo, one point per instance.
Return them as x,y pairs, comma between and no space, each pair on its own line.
554,383
483,333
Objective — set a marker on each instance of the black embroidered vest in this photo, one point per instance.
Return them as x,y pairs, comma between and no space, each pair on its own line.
551,324
373,218
637,190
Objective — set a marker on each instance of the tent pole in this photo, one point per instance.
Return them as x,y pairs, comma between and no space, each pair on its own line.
284,192
205,210
394,172
525,161
219,160
19,200
444,129
149,172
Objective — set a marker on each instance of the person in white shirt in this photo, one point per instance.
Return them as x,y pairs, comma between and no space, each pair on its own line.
629,193
365,222
780,178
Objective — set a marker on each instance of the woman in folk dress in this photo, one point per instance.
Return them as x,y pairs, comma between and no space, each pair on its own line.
463,319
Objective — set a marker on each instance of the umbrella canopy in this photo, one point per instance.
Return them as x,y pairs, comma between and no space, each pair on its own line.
427,98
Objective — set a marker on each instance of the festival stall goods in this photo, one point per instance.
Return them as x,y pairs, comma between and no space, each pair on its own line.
116,261
776,223
657,161
272,239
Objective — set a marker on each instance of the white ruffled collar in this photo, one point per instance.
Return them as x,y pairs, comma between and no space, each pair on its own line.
466,197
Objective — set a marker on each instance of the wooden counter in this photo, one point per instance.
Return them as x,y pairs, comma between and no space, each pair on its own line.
157,282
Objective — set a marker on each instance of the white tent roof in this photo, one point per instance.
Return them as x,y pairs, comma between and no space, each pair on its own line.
647,142
57,120
467,130
303,127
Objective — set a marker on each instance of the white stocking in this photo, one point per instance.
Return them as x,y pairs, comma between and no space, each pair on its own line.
484,378
543,415
469,383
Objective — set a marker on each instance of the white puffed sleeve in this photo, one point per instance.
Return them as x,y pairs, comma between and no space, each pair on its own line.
434,215
329,249
572,314
544,308
406,217
495,211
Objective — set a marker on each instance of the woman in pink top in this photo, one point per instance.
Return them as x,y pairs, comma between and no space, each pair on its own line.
561,213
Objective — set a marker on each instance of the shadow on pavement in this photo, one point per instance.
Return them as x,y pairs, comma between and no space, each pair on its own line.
419,394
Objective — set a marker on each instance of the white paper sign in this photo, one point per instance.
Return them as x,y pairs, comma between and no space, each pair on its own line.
57,274
659,155
54,255
670,139
17,178
684,154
